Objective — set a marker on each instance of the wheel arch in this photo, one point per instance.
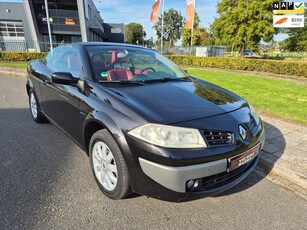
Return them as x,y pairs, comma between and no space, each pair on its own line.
97,121
29,86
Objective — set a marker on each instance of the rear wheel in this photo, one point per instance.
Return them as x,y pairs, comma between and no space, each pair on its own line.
109,166
35,108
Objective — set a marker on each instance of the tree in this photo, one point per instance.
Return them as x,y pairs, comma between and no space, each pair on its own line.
297,40
244,23
200,34
134,33
173,23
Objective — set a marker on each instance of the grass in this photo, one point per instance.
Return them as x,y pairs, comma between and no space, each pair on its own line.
14,64
282,98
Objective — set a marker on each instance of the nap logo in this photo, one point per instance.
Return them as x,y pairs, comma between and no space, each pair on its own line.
288,8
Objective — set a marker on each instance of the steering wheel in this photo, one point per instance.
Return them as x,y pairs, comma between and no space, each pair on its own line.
148,68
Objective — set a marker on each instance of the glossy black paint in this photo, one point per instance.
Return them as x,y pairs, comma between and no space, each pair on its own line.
64,78
81,106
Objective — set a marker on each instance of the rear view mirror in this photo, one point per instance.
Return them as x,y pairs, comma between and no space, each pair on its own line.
64,78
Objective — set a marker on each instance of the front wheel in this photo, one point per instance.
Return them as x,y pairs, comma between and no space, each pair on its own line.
35,108
109,166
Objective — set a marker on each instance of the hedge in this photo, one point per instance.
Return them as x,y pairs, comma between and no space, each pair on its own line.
269,66
20,56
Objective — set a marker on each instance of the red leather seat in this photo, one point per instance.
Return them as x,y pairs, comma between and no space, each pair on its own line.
119,74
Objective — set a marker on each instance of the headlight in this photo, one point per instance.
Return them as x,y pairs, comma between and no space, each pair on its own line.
254,114
169,136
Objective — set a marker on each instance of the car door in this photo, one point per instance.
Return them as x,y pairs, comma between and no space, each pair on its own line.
62,102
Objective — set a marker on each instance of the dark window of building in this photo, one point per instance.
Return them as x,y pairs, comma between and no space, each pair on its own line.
11,29
64,18
56,4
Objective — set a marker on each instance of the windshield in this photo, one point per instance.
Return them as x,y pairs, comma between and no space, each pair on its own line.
114,64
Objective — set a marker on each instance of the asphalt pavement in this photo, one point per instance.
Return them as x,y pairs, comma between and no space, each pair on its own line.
46,183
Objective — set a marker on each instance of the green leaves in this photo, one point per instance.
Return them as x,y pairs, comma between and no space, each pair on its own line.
173,23
201,36
297,40
243,23
134,33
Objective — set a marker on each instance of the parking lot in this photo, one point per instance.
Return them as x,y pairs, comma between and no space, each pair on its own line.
46,182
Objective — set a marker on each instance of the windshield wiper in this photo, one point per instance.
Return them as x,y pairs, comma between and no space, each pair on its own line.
124,82
165,79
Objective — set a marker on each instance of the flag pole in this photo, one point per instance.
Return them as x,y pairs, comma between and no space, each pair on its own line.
48,24
192,29
162,27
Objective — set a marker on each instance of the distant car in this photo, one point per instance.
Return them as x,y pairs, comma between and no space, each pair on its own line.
147,126
248,52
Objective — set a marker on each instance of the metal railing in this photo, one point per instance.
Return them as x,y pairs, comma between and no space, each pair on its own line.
27,46
44,46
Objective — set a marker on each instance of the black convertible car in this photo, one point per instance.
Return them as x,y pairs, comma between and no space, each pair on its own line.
147,126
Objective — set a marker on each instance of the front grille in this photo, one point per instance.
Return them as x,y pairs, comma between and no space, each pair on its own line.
218,138
221,179
253,127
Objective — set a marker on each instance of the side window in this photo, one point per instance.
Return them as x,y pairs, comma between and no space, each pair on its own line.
64,59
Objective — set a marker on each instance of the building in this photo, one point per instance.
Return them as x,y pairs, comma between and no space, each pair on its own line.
115,32
14,27
23,26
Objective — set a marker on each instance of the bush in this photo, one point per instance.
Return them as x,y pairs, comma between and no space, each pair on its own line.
20,56
269,66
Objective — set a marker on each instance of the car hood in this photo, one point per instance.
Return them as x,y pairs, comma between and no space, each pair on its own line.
174,101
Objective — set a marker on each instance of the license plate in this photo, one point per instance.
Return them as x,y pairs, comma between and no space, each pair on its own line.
243,158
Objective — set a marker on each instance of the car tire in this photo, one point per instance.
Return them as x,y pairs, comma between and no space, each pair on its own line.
35,108
109,166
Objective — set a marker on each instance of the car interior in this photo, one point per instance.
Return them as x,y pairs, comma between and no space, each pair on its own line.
113,65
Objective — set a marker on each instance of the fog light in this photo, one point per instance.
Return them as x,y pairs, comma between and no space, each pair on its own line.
192,184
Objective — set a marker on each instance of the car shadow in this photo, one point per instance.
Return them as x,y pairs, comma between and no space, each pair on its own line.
274,147
33,160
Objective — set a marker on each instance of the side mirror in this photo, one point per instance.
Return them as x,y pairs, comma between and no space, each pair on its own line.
64,78
186,71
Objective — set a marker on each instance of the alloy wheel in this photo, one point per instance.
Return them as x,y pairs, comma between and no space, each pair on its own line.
33,105
104,165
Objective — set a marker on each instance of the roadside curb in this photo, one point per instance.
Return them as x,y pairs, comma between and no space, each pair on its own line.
283,159
283,175
20,72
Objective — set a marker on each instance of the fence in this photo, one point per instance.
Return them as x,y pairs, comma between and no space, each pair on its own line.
43,46
28,46
208,51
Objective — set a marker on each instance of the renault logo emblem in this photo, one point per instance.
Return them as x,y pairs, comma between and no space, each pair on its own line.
242,132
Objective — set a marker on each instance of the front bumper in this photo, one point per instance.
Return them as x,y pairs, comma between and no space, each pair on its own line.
167,173
175,178
201,177
169,182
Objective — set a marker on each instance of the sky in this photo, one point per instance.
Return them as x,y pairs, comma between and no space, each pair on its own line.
126,11
119,11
